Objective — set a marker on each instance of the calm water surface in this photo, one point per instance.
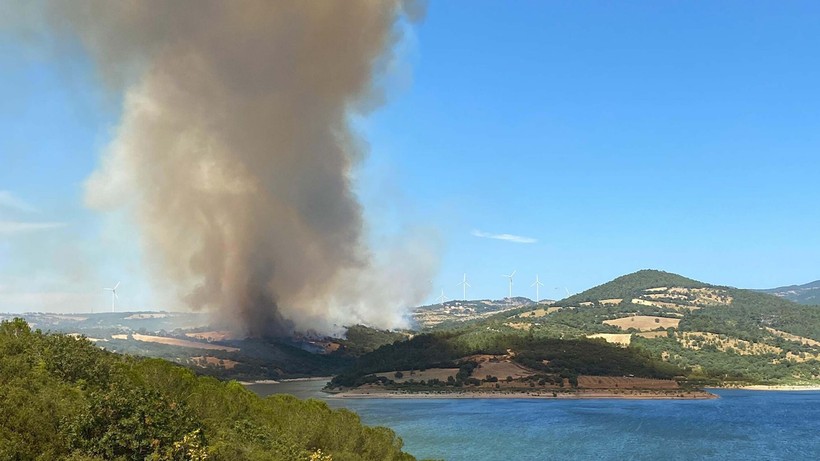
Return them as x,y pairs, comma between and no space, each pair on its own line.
741,425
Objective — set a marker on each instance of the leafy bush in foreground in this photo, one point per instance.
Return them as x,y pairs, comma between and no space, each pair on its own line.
64,398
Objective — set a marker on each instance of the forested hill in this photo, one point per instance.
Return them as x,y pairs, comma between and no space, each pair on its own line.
631,285
808,293
719,332
64,398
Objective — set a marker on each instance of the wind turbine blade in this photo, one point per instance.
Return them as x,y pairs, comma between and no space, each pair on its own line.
115,295
117,285
513,272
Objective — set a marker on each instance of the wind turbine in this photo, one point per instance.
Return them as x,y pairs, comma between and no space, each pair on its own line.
565,289
465,285
441,299
511,282
537,284
113,294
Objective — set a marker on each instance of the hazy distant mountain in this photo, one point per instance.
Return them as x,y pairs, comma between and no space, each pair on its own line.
804,294
464,310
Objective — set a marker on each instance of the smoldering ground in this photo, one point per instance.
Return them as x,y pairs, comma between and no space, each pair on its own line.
234,152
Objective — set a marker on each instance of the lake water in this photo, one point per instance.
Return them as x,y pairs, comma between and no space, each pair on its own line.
740,425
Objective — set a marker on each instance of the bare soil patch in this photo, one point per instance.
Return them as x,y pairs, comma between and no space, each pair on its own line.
540,312
219,335
204,361
183,343
501,370
621,339
643,322
610,302
417,375
795,338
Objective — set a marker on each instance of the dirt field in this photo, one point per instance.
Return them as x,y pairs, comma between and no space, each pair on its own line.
611,382
795,338
208,360
644,302
643,322
119,336
622,339
610,302
211,335
426,375
519,325
501,370
182,343
540,312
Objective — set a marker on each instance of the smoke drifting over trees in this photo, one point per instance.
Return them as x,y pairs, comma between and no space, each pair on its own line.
234,152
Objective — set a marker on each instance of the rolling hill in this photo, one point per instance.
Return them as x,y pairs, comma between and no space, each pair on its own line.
456,311
711,331
808,293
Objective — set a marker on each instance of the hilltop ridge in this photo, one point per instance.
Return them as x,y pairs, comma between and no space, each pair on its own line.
808,293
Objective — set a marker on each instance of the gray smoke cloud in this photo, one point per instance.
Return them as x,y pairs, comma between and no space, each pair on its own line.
234,153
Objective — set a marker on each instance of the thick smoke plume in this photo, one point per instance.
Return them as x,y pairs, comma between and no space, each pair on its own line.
234,152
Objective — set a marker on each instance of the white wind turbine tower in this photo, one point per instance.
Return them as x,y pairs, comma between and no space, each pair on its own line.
113,294
537,284
465,285
511,282
441,299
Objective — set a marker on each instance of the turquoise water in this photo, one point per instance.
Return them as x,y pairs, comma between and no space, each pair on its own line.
741,425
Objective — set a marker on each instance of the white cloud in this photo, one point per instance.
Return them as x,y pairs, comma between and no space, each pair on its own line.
17,227
506,237
10,201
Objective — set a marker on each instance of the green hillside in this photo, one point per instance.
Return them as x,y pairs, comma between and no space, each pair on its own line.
711,331
631,285
553,357
64,398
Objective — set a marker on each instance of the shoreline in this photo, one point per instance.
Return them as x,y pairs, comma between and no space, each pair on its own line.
596,394
775,387
288,380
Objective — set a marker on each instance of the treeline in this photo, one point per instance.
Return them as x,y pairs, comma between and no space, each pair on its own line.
568,358
64,398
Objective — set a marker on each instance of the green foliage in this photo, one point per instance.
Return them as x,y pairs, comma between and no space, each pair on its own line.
725,367
448,348
631,285
64,398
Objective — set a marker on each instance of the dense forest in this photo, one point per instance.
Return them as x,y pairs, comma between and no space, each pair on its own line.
64,398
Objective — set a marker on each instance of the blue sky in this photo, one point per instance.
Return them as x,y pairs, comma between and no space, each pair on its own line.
617,136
